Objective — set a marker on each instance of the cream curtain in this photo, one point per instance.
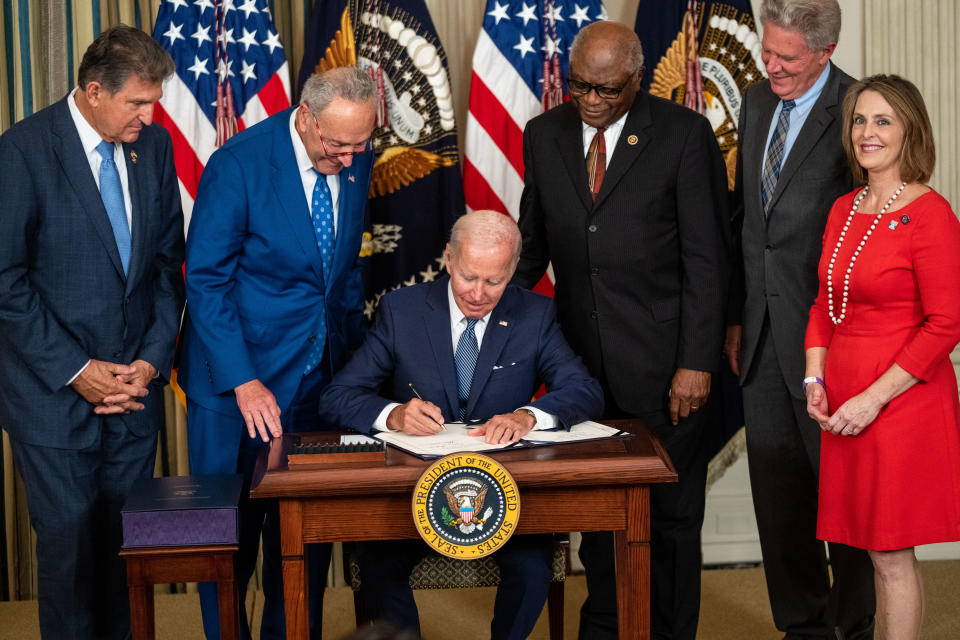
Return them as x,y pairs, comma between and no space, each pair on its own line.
918,40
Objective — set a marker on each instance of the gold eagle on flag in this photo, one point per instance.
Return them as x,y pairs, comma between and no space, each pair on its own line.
397,165
727,56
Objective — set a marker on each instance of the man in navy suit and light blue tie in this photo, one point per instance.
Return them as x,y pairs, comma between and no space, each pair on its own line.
275,299
475,349
91,294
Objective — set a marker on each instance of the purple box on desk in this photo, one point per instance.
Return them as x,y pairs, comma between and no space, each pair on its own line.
182,510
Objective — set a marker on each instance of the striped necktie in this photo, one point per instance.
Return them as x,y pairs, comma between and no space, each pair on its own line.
596,162
774,160
466,360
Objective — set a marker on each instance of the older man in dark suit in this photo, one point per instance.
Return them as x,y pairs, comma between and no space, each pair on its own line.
91,246
790,169
634,219
475,348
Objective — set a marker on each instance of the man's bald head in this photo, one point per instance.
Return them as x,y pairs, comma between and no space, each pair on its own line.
486,229
609,38
606,57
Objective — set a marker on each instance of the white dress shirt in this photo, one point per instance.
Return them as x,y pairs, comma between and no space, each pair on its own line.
610,136
89,138
308,176
458,324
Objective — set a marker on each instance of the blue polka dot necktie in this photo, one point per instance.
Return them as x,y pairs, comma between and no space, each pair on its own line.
466,359
774,160
111,192
321,218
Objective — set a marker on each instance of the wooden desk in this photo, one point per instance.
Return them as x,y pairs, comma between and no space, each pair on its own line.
591,486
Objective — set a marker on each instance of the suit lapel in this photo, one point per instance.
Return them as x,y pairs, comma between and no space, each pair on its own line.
345,221
823,113
138,230
73,162
288,188
625,154
569,138
437,320
495,337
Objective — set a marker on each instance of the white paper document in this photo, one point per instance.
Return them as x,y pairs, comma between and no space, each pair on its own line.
455,439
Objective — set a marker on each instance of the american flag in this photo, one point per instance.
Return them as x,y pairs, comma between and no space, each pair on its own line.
229,63
520,44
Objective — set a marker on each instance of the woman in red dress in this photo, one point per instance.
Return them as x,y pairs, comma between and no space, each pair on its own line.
879,379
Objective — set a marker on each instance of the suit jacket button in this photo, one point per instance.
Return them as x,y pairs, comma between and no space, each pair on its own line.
592,228
594,314
312,339
595,271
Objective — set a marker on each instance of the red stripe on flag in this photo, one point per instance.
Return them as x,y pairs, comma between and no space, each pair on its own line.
544,286
496,121
273,96
478,193
188,164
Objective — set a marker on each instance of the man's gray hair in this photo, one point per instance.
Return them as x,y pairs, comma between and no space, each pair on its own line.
350,83
634,51
818,21
486,228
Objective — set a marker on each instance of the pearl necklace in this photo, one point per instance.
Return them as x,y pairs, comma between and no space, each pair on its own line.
846,278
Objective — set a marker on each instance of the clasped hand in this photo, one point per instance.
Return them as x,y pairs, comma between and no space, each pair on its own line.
421,418
112,387
853,416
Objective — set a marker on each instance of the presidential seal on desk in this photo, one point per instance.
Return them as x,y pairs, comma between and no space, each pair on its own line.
466,505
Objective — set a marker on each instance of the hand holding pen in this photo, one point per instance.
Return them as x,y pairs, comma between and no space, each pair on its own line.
416,417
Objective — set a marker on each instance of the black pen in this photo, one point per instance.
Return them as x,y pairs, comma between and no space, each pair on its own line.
412,388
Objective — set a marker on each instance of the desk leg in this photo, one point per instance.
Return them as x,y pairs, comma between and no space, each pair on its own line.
228,605
142,625
294,570
633,567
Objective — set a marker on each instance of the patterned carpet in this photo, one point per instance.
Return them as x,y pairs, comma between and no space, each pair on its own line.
734,607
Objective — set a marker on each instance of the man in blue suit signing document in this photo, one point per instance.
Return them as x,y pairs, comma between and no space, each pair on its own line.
475,349
275,299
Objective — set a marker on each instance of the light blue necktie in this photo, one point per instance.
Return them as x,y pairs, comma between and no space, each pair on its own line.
466,359
111,192
774,160
321,218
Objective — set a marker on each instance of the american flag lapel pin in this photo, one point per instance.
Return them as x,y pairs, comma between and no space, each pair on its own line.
503,323
133,157
351,179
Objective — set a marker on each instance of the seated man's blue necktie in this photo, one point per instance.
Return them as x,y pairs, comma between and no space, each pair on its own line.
111,192
466,359
321,218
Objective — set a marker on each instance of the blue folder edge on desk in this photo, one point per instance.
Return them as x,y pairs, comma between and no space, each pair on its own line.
182,511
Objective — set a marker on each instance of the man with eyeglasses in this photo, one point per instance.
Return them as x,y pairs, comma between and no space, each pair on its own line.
275,300
634,219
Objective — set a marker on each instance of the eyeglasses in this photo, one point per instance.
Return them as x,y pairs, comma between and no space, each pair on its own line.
580,88
351,149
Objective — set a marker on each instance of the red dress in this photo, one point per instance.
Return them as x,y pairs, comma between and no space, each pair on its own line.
897,483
